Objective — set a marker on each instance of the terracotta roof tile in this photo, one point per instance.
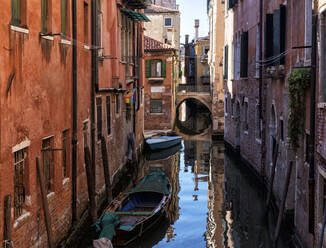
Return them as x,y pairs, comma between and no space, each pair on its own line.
152,44
159,9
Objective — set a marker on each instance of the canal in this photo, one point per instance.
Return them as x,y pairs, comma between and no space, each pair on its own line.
215,202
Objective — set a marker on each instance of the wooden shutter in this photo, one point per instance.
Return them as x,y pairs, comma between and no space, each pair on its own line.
283,32
148,68
44,16
15,12
163,68
63,16
268,36
276,35
244,55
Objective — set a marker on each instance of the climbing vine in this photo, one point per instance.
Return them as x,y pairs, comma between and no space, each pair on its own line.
299,80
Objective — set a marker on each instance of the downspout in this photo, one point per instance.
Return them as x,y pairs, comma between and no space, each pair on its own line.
261,117
312,123
74,111
94,83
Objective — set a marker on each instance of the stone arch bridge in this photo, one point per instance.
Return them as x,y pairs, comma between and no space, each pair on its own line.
201,93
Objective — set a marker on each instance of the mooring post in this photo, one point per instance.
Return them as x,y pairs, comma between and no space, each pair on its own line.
7,223
45,204
282,206
106,169
90,185
269,196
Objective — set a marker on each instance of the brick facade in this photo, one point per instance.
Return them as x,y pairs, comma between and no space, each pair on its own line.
36,103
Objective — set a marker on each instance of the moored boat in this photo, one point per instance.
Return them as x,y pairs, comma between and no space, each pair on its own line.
140,208
163,142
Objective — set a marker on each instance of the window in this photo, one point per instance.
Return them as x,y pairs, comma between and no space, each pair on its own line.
282,129
48,166
226,105
117,104
99,117
156,106
46,16
231,3
307,147
246,116
226,60
258,133
20,189
275,32
155,68
86,18
99,28
108,115
65,10
65,153
18,13
168,22
244,55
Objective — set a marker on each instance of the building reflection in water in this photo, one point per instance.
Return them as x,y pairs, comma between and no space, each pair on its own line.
215,202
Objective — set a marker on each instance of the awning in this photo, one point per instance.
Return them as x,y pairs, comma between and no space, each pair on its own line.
137,16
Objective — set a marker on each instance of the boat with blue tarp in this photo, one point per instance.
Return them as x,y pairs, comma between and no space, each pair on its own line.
134,212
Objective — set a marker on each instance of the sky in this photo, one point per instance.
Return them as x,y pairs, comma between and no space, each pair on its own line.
191,10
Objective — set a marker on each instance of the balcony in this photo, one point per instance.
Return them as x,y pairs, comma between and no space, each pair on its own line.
137,4
193,88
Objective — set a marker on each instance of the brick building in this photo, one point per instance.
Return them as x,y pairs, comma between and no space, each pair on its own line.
160,84
259,57
66,77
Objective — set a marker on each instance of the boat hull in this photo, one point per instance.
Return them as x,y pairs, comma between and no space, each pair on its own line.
123,238
164,143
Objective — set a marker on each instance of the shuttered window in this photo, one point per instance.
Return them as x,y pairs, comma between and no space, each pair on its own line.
108,115
48,163
156,106
244,55
65,153
99,117
156,68
269,36
65,27
18,12
226,62
20,191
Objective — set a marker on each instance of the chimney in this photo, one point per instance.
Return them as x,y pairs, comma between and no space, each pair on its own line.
196,29
187,39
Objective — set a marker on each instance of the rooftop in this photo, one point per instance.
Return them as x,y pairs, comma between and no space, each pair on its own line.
152,9
155,45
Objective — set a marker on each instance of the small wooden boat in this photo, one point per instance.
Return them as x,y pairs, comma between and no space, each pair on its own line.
164,153
140,208
163,142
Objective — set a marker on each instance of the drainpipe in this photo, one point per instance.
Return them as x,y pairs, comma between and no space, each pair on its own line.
312,124
74,112
261,117
94,83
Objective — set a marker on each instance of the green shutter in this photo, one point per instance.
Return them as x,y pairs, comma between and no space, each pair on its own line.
15,12
164,68
63,17
148,68
44,17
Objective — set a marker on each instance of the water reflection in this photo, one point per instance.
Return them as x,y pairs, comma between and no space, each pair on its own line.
215,202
